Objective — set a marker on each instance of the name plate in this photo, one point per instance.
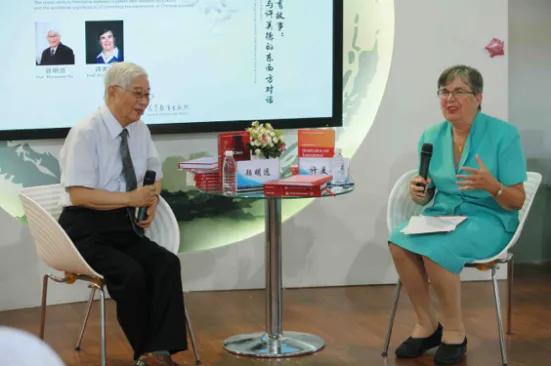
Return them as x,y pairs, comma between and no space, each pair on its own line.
320,166
254,173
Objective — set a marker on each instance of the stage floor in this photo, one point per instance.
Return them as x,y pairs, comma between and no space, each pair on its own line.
352,321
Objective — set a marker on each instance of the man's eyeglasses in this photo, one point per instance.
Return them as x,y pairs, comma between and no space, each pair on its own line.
137,94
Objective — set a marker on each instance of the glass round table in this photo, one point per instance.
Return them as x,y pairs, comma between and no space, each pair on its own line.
273,341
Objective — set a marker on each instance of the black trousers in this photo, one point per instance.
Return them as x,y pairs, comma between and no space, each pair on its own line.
142,277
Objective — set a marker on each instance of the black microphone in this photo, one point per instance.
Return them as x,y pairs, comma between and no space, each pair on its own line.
426,155
148,180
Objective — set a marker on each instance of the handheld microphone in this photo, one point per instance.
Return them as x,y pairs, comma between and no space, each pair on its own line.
426,155
148,180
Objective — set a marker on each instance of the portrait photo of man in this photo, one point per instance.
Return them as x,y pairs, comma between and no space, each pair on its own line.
55,53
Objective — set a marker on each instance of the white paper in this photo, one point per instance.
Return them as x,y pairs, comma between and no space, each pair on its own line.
432,224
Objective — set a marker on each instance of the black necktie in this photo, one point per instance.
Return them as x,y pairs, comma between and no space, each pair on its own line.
129,177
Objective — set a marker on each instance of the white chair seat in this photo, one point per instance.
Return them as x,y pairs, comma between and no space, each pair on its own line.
501,258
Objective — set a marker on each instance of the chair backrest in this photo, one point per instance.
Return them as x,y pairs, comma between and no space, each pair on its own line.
55,248
164,230
530,187
401,207
47,196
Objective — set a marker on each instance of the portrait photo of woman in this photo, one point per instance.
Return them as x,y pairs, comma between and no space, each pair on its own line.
104,42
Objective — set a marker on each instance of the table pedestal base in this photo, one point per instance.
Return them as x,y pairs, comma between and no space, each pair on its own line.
261,345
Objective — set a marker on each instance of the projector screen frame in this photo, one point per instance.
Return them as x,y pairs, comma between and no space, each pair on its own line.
336,120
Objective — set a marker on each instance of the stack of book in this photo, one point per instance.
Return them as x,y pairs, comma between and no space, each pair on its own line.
298,186
207,181
208,170
200,164
205,171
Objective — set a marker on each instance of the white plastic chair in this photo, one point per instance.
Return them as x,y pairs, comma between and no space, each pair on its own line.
401,207
55,248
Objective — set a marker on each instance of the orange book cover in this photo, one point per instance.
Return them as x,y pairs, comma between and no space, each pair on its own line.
316,143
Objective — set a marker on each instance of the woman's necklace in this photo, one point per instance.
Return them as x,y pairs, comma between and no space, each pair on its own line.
461,145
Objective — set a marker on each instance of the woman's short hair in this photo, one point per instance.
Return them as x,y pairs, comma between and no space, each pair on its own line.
122,74
469,75
102,31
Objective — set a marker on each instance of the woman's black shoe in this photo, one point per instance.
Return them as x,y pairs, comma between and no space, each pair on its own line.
450,354
416,347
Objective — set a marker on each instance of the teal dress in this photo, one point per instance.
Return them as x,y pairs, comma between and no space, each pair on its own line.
488,227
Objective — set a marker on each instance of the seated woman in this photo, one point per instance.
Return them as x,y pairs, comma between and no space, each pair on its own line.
477,169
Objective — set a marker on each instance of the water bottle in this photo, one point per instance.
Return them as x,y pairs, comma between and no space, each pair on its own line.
337,169
229,174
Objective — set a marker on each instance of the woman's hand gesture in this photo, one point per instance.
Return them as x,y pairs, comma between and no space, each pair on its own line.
479,179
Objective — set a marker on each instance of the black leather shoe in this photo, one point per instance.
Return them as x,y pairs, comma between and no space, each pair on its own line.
450,354
416,347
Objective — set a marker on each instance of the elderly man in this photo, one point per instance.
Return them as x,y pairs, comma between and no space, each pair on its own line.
103,159
57,53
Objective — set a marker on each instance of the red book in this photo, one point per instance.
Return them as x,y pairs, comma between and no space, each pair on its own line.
198,178
206,184
302,180
208,181
298,185
282,192
206,175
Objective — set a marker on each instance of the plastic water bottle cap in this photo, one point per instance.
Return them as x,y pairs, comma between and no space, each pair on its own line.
229,153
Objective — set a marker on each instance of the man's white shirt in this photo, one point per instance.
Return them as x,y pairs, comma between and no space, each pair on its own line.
90,156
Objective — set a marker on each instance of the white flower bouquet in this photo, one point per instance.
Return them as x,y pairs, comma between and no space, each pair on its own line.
265,142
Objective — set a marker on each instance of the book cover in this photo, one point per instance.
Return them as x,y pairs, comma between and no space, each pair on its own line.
316,143
302,180
199,163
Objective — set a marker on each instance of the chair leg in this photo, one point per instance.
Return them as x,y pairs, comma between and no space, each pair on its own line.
43,307
392,316
102,316
510,296
192,337
86,314
499,322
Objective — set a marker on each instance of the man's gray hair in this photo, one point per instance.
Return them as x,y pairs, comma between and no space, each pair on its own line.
55,31
122,74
